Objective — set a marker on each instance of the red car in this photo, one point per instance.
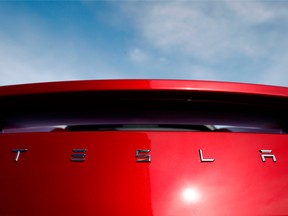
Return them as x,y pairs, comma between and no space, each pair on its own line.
143,148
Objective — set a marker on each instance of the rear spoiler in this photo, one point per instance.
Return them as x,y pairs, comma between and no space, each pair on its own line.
144,104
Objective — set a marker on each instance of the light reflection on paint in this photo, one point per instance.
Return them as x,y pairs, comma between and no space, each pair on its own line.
191,195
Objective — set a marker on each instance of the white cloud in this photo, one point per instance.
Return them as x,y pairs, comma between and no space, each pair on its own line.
258,11
206,30
277,73
179,27
196,72
138,56
251,11
239,36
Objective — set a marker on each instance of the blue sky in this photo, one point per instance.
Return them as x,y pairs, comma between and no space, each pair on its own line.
223,40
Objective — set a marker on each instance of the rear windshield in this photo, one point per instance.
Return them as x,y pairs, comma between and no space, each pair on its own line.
144,110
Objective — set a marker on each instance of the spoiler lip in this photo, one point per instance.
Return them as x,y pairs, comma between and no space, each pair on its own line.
145,84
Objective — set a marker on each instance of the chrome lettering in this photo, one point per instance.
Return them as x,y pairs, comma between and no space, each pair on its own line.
142,155
202,159
267,154
18,152
78,155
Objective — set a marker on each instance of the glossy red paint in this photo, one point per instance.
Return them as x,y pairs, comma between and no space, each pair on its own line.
82,86
176,183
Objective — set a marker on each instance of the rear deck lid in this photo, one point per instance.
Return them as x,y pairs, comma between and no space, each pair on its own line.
144,151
